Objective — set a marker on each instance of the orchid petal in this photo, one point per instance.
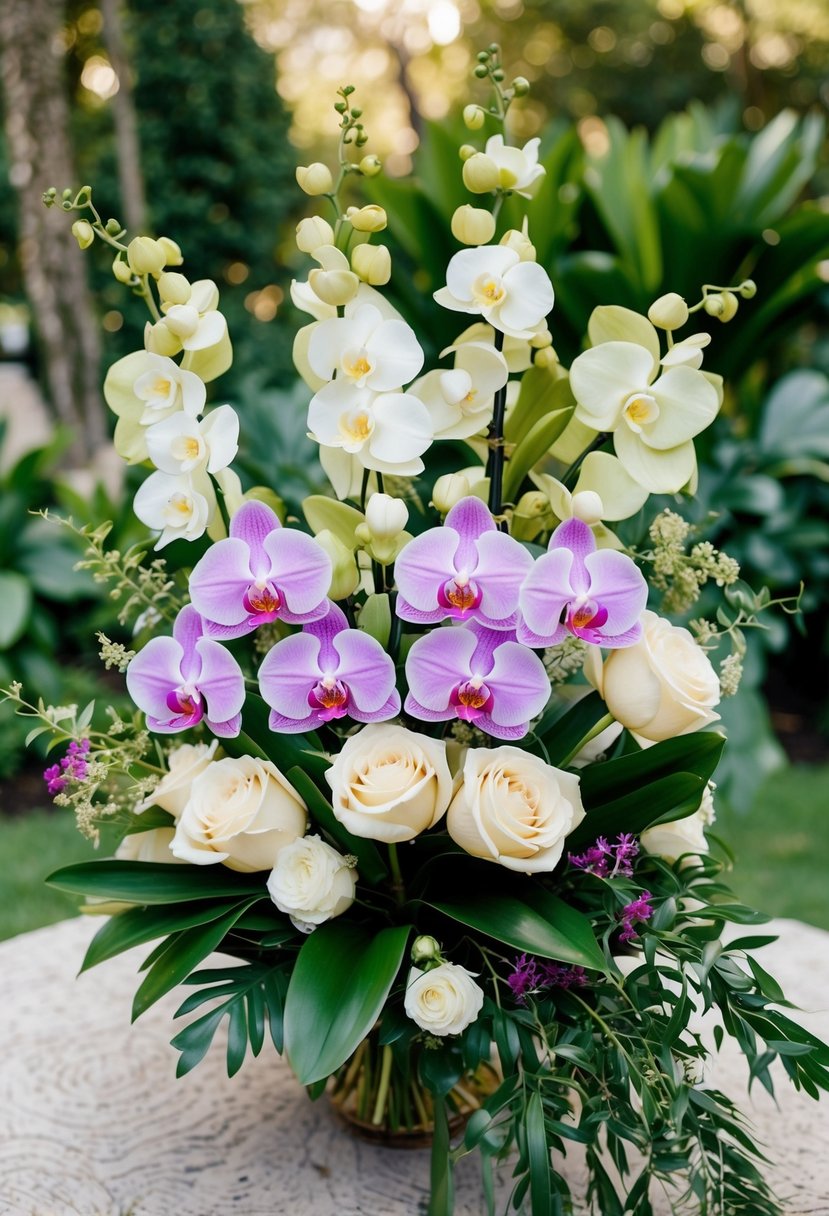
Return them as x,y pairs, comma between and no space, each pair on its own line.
606,476
529,298
188,628
210,331
153,674
519,684
687,405
220,430
603,377
660,472
617,585
546,592
326,629
366,668
613,323
220,681
422,567
288,672
301,569
469,264
402,430
220,578
225,730
388,710
415,710
503,564
436,663
252,523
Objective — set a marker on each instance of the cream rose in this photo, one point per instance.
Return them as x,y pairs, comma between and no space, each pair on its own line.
184,764
311,882
673,840
513,808
153,845
443,1000
241,811
389,783
662,686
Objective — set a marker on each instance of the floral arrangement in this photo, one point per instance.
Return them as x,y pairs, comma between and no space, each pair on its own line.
423,765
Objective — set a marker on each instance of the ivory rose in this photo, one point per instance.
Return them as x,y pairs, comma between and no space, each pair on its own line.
681,836
311,882
389,783
444,1000
184,763
662,686
241,811
514,808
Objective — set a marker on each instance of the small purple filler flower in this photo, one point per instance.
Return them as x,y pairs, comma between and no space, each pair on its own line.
633,914
178,681
596,594
467,571
531,974
608,860
479,675
73,767
260,573
326,672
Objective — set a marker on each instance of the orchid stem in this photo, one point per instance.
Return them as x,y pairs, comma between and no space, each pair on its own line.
495,461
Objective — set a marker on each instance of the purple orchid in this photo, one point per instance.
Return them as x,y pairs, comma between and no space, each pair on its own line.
178,681
329,670
260,573
479,675
596,594
467,570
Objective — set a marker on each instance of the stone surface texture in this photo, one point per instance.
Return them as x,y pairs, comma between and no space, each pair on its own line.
94,1123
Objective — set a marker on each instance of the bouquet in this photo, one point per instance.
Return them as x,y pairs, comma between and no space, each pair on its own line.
421,763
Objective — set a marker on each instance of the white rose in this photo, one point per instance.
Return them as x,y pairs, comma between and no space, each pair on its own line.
443,1000
661,687
673,840
184,764
389,783
514,809
153,845
241,811
311,882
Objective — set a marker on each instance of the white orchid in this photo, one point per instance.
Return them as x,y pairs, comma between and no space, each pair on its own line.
387,432
181,444
365,350
653,420
517,351
492,281
180,507
518,168
197,328
459,400
603,491
142,389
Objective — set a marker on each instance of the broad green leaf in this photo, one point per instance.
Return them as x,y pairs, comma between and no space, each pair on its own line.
538,1156
534,922
154,882
327,514
663,800
535,444
16,599
283,750
562,733
339,985
186,950
696,753
540,394
139,925
370,864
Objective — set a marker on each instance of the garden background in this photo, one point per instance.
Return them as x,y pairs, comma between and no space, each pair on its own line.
684,142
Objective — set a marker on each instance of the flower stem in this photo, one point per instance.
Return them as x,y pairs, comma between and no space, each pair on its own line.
495,460
397,877
601,725
383,1087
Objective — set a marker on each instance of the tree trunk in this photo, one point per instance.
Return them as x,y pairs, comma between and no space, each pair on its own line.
128,148
54,274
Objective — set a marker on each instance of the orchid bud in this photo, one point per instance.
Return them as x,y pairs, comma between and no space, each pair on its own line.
174,288
370,166
83,233
520,243
480,173
145,255
386,516
334,287
345,577
541,339
182,320
367,219
315,179
473,225
547,358
532,515
474,117
748,289
159,339
313,232
449,489
172,251
668,312
520,86
722,305
467,150
121,270
372,264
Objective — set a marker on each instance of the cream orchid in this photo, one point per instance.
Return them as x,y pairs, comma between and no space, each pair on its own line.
514,296
181,444
387,432
142,389
604,490
365,350
653,420
179,507
459,400
518,168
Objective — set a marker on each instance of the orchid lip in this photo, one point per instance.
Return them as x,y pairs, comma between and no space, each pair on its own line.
329,699
471,699
263,601
459,597
587,616
186,704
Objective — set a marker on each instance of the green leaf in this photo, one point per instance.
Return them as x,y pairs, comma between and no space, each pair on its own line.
185,952
535,444
153,817
662,801
139,925
16,598
538,1157
370,864
534,922
284,751
340,983
562,733
697,753
326,514
155,882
